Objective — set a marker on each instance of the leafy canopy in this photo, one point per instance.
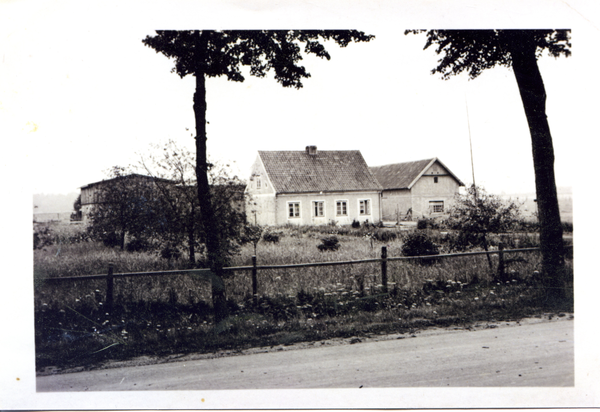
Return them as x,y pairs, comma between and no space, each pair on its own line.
480,212
474,51
222,53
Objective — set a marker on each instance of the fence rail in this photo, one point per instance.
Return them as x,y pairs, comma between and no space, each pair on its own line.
254,268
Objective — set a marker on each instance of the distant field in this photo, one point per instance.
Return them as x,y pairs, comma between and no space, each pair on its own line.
529,206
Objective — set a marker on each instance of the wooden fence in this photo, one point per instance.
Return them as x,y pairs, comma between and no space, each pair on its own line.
254,268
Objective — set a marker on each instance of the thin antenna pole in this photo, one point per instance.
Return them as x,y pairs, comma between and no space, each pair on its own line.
471,147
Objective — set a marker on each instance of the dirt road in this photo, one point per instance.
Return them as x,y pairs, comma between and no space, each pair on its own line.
532,354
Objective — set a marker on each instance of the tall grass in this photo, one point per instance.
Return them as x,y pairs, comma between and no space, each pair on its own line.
163,314
297,245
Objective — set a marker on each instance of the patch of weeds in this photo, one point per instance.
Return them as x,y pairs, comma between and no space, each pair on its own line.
280,308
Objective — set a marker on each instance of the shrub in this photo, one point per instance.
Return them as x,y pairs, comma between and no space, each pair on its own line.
170,252
329,243
419,244
42,237
138,245
567,227
355,224
477,215
251,234
422,224
384,235
111,239
271,236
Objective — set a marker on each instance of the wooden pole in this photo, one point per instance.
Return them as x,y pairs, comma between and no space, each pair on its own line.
384,279
501,262
254,281
109,287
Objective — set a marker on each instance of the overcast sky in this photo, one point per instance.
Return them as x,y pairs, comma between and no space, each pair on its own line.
85,94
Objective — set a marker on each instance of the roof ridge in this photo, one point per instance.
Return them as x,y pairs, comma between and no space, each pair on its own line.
295,171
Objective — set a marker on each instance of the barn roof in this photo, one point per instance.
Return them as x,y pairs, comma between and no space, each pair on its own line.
126,177
405,175
323,171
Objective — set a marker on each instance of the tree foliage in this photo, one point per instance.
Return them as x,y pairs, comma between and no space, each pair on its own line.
77,213
178,221
474,51
223,53
476,214
125,205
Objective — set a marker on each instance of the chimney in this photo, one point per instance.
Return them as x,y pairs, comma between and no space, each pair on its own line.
311,150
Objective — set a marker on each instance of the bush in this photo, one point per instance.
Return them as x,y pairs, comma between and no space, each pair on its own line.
329,243
461,241
251,234
170,252
138,245
42,237
567,227
271,236
419,244
355,224
384,235
110,239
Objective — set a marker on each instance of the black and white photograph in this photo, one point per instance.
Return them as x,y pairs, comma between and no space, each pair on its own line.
299,205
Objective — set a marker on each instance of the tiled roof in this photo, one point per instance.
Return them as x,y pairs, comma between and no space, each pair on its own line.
403,175
325,171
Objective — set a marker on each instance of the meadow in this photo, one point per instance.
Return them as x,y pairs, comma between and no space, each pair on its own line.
161,315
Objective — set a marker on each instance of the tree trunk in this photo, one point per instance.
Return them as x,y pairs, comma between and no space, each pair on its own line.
122,241
213,241
191,238
533,95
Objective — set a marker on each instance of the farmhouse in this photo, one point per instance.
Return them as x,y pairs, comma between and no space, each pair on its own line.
423,188
312,187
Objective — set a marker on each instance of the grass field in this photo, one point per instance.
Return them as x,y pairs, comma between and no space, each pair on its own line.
164,315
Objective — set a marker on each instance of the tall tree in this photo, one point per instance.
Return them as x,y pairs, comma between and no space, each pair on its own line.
208,53
177,220
474,51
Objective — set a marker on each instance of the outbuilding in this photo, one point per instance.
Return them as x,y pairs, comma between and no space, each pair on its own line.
412,190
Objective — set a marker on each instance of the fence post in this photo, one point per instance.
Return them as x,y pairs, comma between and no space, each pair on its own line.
254,281
501,261
384,280
109,287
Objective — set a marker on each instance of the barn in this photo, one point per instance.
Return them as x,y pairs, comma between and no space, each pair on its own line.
412,190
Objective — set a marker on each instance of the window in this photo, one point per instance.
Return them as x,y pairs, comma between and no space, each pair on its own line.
365,207
258,182
436,206
293,209
319,209
341,207
435,179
